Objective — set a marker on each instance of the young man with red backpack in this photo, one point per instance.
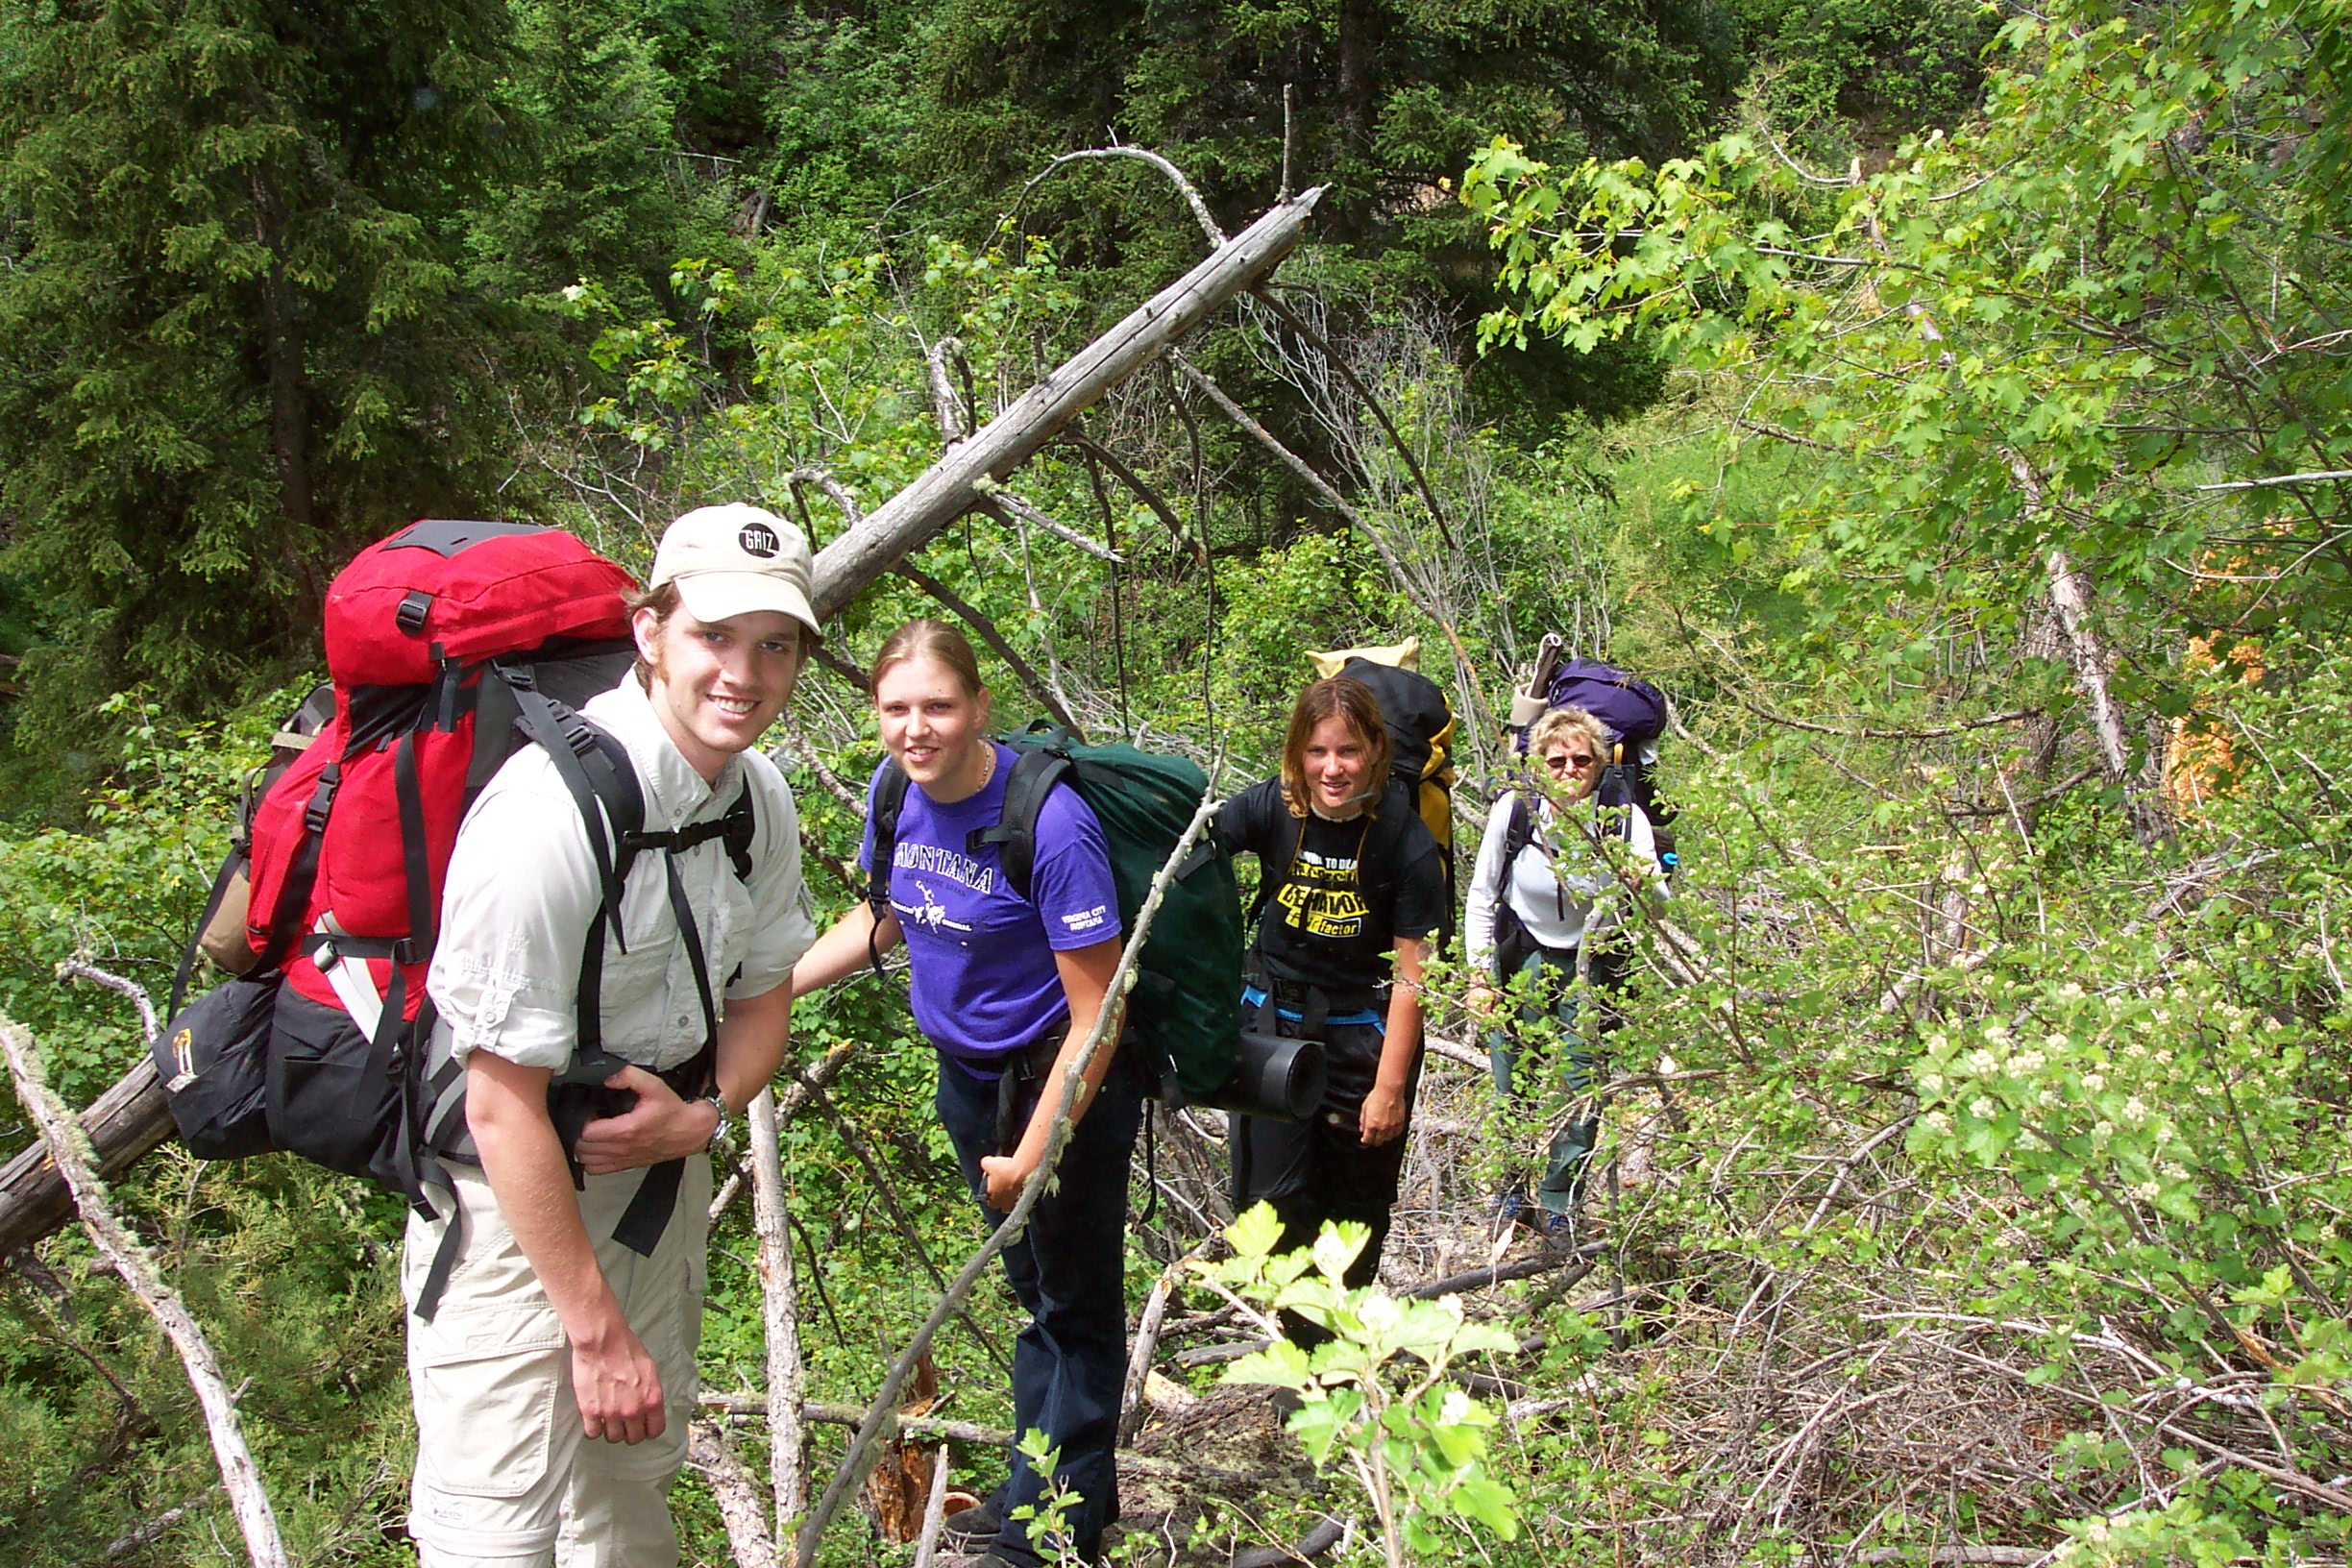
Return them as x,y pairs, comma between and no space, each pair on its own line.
609,1009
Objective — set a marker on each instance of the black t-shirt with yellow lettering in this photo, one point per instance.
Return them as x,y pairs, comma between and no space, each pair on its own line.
1342,892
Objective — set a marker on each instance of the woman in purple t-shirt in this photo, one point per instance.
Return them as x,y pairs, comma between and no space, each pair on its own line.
1007,987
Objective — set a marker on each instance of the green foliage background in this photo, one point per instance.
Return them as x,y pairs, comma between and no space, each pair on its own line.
1812,331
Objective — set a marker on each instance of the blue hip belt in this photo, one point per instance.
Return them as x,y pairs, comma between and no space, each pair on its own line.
1361,1018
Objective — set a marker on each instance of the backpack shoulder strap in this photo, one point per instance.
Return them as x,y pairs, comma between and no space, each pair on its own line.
1519,833
1272,869
614,797
605,788
890,797
1034,775
596,770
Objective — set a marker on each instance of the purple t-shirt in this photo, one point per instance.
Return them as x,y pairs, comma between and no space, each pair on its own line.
984,980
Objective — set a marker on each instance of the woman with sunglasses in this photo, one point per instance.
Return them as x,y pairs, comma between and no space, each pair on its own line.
1536,898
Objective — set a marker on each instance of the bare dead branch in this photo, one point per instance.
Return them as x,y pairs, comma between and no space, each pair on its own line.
948,488
1865,732
884,1411
781,1297
161,1526
61,1135
826,775
1574,1266
789,1104
847,1131
840,664
1338,362
1192,196
850,1415
78,967
834,490
1143,491
741,1507
934,1511
1325,1535
945,406
1029,513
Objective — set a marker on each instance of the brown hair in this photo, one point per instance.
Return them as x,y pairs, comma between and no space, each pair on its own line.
1341,697
928,639
664,603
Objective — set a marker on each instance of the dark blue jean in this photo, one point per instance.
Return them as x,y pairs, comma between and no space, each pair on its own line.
1321,1169
1068,1268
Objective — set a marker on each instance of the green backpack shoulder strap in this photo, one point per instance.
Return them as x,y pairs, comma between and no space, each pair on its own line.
1037,769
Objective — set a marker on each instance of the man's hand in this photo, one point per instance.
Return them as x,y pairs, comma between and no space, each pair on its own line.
1482,999
1004,1175
1383,1115
618,1388
660,1126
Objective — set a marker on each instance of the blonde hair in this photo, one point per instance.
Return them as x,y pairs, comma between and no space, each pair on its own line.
1563,722
1344,698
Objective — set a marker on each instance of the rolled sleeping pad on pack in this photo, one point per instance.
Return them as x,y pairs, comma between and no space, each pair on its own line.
1279,1079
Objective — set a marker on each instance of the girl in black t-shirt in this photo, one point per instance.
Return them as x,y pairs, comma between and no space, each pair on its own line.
1350,886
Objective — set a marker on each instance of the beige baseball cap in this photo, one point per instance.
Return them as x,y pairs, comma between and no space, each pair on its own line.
733,559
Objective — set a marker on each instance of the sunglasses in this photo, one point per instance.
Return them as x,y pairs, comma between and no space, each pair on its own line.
1560,762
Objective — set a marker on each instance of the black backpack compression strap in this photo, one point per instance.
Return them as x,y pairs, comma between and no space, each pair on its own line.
1035,773
409,796
890,798
285,926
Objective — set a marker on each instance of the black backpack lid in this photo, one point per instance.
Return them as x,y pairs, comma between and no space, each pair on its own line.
1413,706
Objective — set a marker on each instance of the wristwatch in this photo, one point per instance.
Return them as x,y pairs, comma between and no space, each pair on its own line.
717,1102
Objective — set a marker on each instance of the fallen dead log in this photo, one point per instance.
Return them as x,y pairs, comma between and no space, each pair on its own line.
125,1124
1313,1544
130,1120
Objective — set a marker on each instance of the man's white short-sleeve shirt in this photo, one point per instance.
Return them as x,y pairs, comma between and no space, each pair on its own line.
522,889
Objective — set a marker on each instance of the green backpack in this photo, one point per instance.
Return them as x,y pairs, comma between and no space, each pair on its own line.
1186,1002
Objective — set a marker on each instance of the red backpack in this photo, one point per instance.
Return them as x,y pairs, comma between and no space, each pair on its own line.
451,645
413,625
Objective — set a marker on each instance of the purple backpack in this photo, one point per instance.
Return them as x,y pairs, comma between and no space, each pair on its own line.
1634,710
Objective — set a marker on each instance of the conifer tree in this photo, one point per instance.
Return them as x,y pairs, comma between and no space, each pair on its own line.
236,339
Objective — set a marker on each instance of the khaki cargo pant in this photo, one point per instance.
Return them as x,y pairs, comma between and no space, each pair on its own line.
503,1476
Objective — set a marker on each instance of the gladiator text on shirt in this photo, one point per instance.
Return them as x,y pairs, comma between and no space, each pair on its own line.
1322,895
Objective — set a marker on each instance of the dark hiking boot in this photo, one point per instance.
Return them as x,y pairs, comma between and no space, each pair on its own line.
974,1527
